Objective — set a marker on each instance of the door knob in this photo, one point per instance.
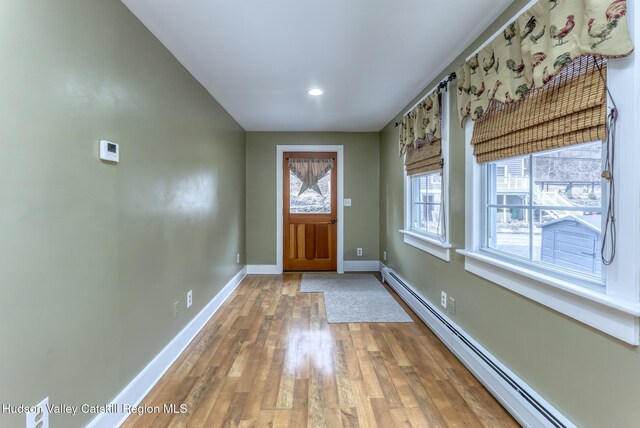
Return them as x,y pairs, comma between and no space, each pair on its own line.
333,221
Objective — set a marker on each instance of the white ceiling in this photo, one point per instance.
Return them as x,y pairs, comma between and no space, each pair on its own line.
371,57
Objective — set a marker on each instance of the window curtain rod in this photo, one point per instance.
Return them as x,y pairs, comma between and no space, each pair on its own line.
452,76
442,85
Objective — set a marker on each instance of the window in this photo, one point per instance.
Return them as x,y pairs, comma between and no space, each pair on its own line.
556,220
604,297
426,204
551,219
310,201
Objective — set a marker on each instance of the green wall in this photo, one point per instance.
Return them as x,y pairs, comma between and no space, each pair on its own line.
93,255
361,180
592,378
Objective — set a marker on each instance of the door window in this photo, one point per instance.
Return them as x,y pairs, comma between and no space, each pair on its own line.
310,186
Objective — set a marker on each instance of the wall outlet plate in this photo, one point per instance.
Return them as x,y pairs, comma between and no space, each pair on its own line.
452,306
189,298
238,258
347,202
39,418
359,252
384,255
443,299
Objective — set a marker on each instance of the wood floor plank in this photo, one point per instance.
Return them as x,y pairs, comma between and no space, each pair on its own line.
316,399
256,385
300,414
268,358
381,411
345,398
425,403
400,418
349,417
366,417
369,377
386,383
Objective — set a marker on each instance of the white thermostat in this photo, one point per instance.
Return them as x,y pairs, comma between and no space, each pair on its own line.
109,151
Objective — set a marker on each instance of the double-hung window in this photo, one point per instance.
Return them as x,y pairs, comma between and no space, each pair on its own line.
540,212
544,211
426,210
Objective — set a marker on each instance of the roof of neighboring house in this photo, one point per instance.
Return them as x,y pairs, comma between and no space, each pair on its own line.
590,221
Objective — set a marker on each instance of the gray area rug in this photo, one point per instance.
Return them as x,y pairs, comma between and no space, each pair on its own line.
354,298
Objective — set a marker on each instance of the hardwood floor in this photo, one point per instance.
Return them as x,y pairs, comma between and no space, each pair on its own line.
269,358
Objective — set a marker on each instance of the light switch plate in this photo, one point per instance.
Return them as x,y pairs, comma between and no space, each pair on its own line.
347,202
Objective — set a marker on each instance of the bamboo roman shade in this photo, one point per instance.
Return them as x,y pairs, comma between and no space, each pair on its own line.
426,158
420,136
570,109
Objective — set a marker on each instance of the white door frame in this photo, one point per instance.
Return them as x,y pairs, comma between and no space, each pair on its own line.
279,202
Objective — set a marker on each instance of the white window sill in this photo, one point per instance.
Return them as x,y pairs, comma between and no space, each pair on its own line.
432,246
611,315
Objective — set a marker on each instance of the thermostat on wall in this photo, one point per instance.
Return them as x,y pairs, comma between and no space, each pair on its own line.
109,151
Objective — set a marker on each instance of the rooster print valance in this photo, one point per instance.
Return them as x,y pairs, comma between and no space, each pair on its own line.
535,47
422,124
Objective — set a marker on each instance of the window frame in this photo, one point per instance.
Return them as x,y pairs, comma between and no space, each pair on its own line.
590,281
429,242
413,203
616,310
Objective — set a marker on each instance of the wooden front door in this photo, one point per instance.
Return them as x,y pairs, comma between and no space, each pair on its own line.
310,217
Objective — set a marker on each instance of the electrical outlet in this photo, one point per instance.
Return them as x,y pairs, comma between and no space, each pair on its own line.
452,306
347,202
238,258
359,252
443,299
384,255
176,309
189,298
39,418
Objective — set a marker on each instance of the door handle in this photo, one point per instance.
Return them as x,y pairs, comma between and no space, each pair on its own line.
333,221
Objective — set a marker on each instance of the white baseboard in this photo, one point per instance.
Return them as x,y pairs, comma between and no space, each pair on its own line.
142,384
349,266
361,266
263,270
526,405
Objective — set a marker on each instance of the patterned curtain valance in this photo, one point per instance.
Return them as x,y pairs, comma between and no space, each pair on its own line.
422,124
537,46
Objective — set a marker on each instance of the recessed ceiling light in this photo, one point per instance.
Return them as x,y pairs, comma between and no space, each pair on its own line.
315,92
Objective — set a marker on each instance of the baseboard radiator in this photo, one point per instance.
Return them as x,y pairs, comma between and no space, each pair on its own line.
529,408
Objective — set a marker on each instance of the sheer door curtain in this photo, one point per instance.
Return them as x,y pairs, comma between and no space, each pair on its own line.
309,172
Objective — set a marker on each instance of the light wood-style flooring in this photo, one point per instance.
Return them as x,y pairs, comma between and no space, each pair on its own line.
268,357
